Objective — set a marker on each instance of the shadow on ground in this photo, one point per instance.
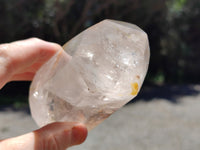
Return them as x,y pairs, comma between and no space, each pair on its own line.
168,92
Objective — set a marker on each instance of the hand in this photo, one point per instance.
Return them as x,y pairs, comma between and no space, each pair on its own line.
55,136
19,61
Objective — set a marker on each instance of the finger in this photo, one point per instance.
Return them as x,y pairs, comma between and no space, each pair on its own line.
18,56
65,135
26,76
27,52
55,136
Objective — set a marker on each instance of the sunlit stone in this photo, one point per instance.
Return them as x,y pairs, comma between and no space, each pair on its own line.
107,68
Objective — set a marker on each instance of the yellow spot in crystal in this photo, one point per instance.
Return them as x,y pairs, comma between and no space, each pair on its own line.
134,87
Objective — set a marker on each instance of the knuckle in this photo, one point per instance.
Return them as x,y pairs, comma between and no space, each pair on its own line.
35,39
4,55
3,47
5,62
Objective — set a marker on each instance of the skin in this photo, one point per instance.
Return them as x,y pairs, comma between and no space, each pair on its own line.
19,61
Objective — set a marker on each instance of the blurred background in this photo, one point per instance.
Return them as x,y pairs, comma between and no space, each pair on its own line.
172,82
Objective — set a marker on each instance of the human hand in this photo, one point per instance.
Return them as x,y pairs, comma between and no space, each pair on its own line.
19,61
55,136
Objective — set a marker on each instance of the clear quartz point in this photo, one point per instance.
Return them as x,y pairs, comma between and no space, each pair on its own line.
106,70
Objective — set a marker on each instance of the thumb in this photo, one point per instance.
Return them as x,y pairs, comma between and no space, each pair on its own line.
59,136
55,136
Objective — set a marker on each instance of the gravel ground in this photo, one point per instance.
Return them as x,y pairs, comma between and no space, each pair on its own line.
161,118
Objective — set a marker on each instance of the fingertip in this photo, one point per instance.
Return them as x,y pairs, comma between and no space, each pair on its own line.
79,134
45,45
56,46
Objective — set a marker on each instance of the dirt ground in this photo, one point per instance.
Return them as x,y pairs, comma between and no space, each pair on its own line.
160,118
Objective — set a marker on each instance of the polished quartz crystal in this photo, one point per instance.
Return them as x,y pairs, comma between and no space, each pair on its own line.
106,70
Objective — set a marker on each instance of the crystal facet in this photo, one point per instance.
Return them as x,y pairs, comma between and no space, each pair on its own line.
107,68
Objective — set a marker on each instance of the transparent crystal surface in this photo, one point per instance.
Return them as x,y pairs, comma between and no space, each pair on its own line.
107,68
